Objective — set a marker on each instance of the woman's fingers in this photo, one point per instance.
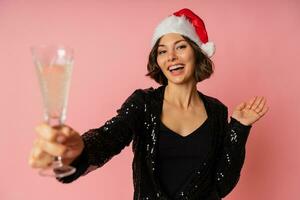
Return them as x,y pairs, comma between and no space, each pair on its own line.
54,149
55,140
255,103
60,140
261,105
36,151
66,131
46,132
41,163
241,106
263,109
58,134
259,101
38,158
251,102
258,104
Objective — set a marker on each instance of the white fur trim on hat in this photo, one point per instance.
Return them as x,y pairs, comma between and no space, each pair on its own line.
181,25
209,48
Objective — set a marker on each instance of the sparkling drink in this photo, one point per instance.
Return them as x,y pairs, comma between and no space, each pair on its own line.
55,83
54,65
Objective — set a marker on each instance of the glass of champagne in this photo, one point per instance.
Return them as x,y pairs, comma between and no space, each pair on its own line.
54,64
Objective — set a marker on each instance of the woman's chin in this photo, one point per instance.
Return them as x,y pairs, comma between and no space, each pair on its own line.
180,80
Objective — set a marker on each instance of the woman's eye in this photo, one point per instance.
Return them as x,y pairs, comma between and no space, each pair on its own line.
161,52
181,46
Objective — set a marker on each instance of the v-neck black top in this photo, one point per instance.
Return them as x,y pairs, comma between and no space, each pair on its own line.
138,121
180,156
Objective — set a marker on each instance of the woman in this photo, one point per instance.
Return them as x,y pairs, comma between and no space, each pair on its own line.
184,147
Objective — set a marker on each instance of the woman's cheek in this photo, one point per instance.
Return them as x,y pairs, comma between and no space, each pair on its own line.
160,63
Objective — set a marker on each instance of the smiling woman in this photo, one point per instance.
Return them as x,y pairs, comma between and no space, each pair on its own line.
184,147
204,66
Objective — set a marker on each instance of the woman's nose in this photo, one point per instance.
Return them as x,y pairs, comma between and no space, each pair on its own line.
172,56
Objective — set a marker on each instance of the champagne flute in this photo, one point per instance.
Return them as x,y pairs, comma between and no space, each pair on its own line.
54,64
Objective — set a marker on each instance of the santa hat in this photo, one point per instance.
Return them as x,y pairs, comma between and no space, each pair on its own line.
186,23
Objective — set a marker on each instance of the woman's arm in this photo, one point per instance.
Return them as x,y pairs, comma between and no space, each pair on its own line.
101,144
231,154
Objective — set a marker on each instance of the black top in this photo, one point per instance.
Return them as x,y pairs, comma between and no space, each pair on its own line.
138,121
180,156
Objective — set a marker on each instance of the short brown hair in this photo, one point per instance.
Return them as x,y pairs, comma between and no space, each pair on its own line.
203,70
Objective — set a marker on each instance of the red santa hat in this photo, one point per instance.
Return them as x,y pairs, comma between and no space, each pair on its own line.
186,23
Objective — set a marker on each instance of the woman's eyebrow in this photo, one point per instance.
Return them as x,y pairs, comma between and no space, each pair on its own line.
174,43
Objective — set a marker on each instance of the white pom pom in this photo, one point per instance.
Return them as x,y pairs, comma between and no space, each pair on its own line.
209,48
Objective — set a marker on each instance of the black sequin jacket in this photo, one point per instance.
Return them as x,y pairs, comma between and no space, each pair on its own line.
138,121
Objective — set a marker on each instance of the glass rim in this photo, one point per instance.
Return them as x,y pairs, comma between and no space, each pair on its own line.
36,47
42,46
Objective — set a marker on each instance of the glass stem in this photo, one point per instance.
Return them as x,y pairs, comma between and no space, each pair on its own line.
57,162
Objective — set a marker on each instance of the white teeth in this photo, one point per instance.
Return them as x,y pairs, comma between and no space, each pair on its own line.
174,67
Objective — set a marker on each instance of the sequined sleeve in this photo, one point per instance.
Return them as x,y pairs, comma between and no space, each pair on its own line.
101,144
231,154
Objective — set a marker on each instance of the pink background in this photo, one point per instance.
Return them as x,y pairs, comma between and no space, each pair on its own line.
257,54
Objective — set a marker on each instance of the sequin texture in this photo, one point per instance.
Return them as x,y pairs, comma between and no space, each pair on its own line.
137,121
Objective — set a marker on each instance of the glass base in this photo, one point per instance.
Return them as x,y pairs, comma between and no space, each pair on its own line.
59,171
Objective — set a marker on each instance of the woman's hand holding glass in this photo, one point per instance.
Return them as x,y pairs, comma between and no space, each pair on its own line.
61,140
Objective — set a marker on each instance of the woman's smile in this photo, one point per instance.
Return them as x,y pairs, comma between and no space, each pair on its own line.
177,69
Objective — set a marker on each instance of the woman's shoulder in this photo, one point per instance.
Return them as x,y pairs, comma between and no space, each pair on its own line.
142,92
145,91
139,95
148,92
214,101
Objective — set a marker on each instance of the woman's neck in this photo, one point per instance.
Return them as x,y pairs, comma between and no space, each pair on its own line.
183,96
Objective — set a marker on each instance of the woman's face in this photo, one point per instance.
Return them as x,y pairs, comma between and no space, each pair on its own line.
176,59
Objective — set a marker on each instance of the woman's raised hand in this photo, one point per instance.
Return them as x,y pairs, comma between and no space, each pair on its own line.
249,112
54,141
